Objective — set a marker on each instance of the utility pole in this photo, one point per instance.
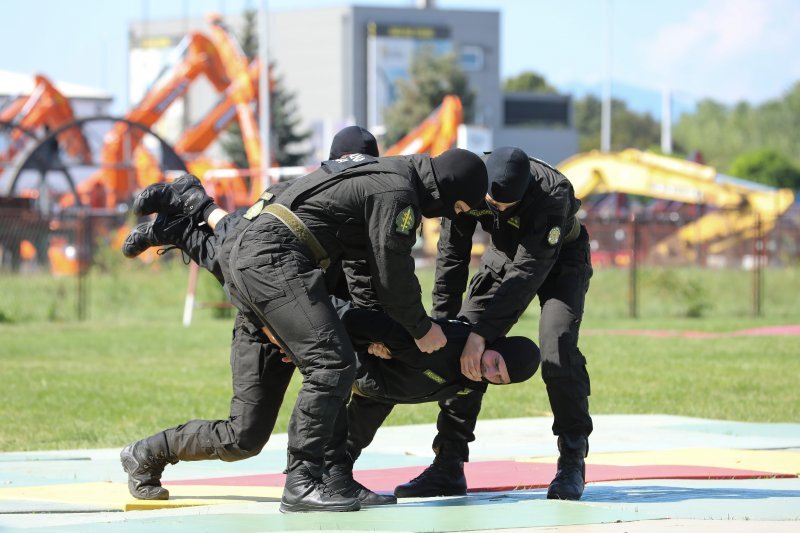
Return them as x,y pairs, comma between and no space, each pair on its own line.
666,122
263,94
605,116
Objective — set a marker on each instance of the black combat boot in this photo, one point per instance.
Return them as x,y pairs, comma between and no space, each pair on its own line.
144,462
571,474
445,477
339,480
305,492
184,196
164,230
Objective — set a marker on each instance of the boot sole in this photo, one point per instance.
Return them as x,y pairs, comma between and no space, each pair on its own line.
129,464
432,494
305,508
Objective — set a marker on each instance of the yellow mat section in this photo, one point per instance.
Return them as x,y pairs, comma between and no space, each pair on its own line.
778,461
116,495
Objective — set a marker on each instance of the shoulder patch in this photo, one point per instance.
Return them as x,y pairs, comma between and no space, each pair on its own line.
554,235
406,221
514,222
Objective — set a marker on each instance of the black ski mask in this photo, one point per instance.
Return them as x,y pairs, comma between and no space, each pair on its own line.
353,140
521,355
460,175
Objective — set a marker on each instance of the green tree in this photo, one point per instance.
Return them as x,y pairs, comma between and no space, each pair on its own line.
629,128
285,140
432,78
722,133
528,82
767,166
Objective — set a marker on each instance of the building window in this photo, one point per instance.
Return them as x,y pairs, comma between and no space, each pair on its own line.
471,57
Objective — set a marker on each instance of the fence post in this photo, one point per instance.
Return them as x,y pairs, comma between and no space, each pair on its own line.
632,267
83,257
758,250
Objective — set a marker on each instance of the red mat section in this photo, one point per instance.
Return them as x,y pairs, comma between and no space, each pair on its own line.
488,476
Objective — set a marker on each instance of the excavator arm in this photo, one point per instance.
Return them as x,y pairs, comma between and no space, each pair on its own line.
741,205
437,133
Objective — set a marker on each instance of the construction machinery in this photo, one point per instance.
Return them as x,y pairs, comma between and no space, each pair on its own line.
437,133
44,109
739,209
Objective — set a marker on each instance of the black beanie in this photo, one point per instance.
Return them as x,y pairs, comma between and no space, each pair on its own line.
521,356
509,174
460,175
353,140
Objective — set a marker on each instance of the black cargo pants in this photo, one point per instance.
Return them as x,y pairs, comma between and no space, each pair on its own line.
273,281
260,380
561,297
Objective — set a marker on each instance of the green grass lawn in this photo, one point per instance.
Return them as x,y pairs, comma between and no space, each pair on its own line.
131,369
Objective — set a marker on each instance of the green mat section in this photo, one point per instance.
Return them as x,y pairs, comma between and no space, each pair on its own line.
457,514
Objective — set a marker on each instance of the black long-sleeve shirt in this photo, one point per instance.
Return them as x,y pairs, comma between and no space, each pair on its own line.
368,210
410,376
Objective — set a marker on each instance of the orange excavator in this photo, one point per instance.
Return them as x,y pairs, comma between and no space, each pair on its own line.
437,133
223,62
236,104
45,108
197,55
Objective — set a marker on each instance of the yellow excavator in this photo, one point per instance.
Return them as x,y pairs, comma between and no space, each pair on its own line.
742,208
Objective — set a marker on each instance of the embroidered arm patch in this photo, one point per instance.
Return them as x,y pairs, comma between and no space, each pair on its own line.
405,222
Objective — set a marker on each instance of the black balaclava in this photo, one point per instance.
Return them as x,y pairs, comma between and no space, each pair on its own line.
509,172
353,140
460,175
521,356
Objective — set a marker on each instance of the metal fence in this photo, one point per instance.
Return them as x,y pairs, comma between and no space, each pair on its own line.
65,244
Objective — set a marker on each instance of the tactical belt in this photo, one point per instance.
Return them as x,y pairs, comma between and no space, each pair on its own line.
574,231
295,225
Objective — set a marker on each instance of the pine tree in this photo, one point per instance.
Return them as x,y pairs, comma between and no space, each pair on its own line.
284,138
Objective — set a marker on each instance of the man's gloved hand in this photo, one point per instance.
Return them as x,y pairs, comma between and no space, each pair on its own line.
433,340
471,356
378,349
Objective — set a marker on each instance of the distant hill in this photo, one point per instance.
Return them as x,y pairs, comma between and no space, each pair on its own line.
638,98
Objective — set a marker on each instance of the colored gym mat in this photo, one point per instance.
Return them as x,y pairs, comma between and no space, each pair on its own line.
783,461
104,496
487,476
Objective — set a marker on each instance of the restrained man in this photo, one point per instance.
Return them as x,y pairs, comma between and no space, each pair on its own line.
358,208
405,375
538,248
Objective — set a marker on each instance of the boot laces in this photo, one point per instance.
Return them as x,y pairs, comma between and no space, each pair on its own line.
153,464
428,472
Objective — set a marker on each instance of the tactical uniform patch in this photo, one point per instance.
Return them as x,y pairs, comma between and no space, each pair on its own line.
434,376
514,222
405,221
553,236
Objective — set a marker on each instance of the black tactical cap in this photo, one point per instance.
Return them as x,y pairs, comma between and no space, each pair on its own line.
509,174
460,175
353,140
521,356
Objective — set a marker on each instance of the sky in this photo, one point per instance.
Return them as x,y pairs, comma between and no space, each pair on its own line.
727,50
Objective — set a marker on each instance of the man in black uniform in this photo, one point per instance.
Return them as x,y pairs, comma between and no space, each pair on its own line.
537,248
359,208
203,242
409,376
